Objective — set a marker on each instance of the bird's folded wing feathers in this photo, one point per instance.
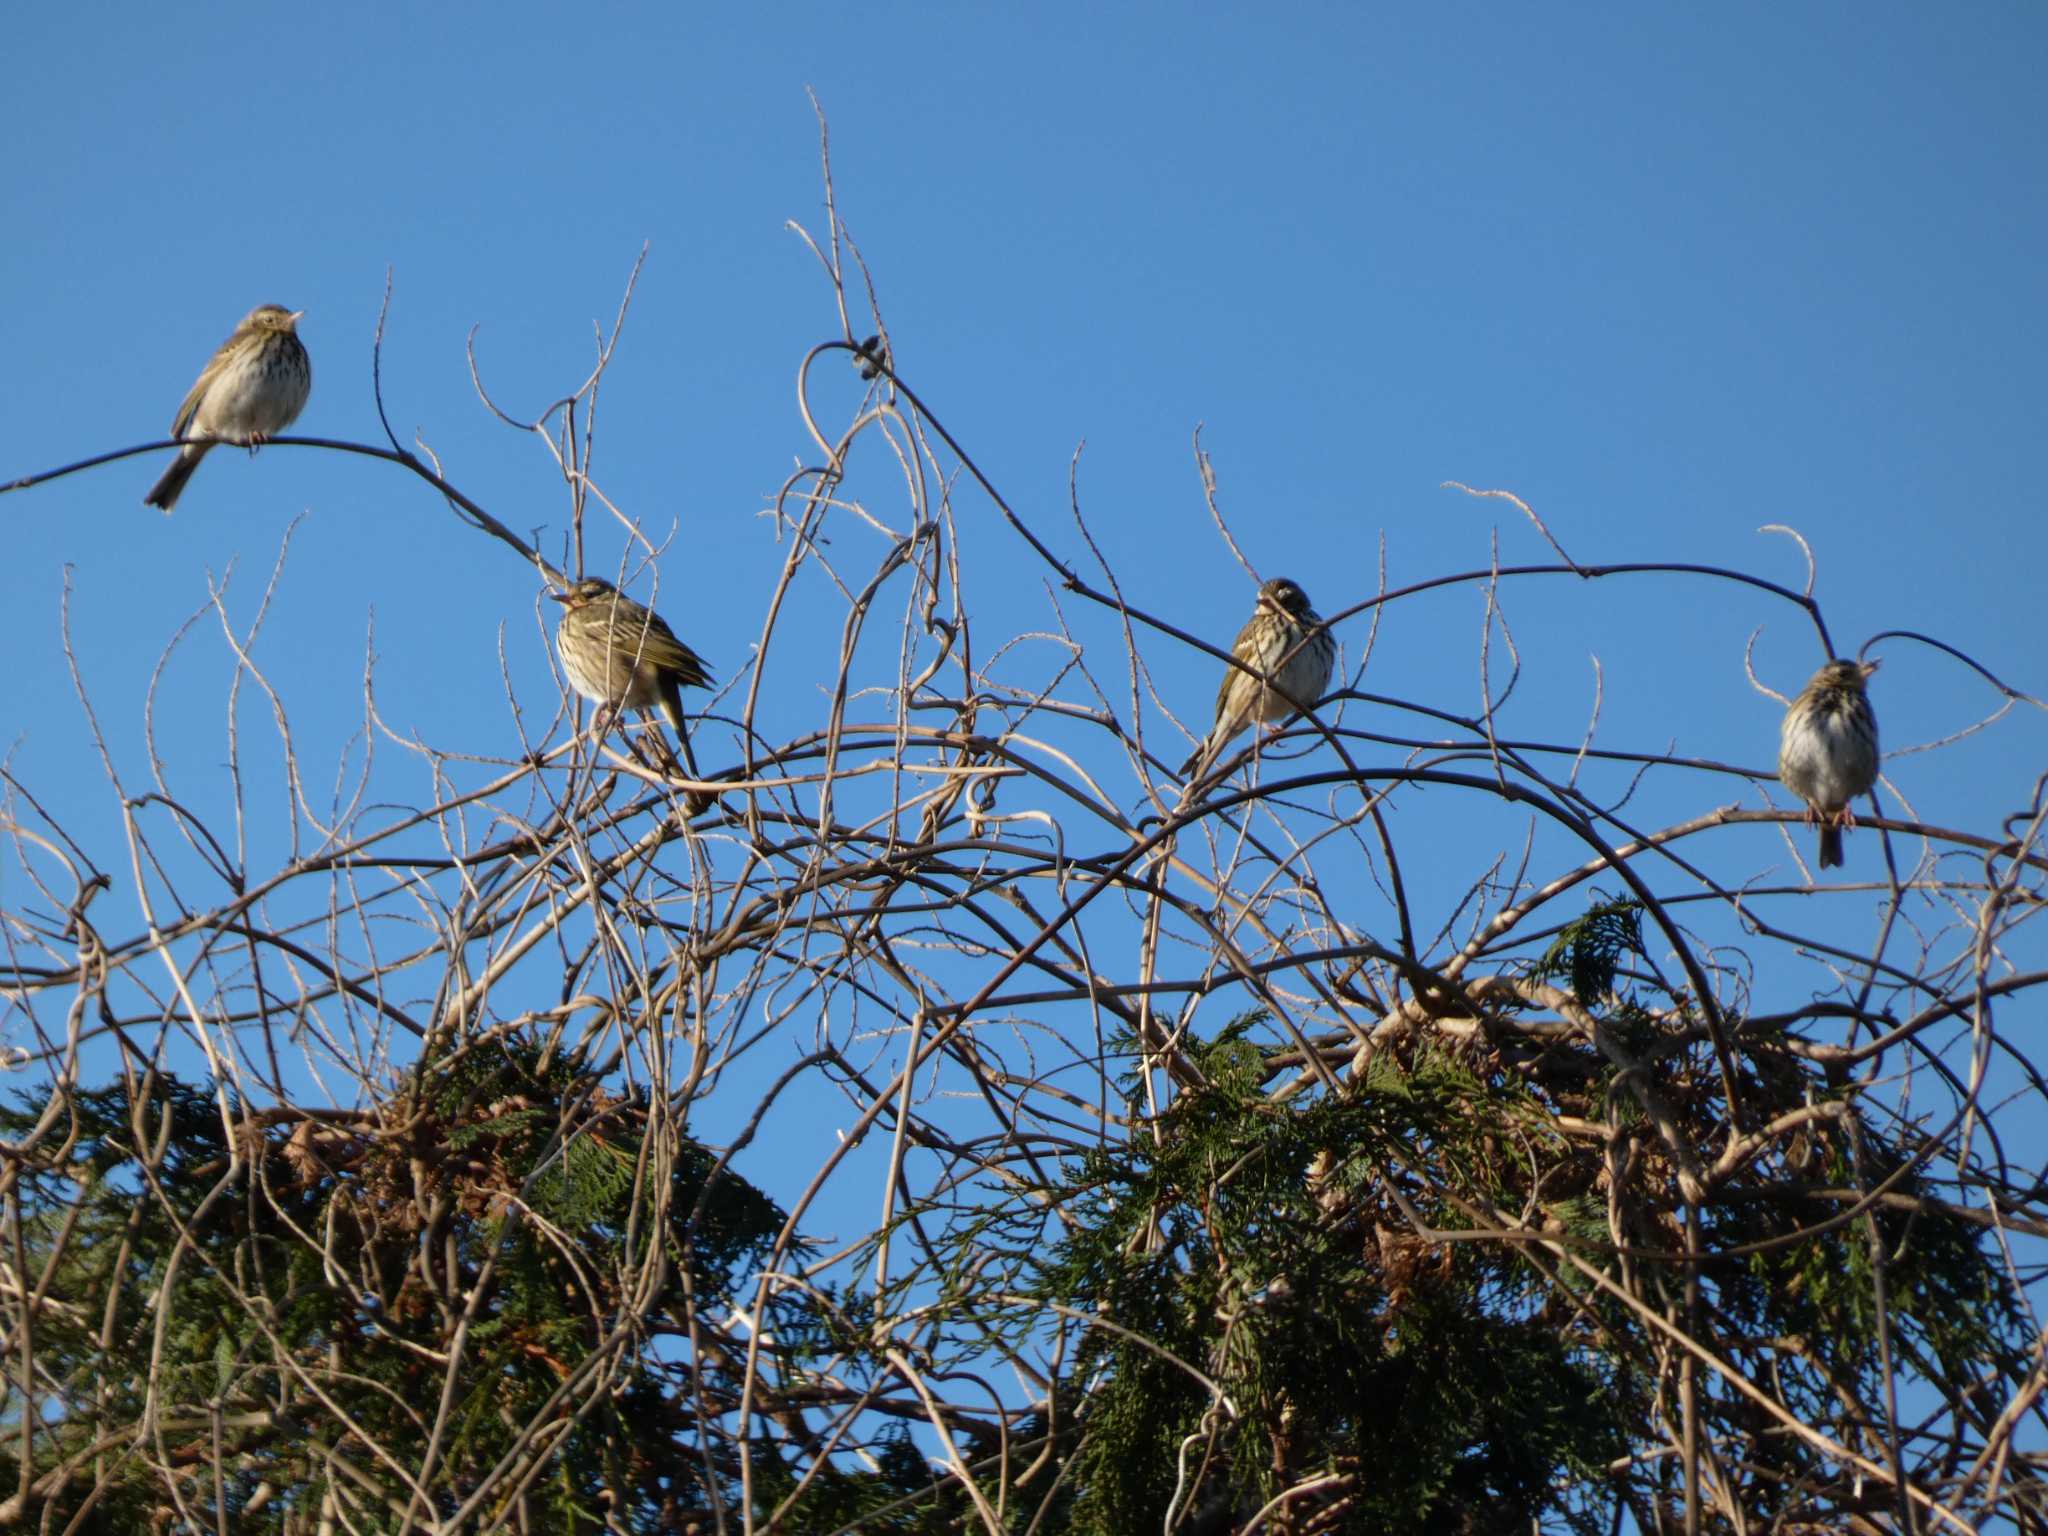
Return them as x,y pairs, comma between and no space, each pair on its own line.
190,408
1230,677
661,648
1242,648
183,423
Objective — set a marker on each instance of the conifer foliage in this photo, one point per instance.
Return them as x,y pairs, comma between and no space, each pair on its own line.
909,1106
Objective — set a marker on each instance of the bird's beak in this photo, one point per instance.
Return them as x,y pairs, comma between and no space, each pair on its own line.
560,597
1870,667
295,316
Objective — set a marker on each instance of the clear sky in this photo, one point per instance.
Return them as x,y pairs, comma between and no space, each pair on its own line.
1668,273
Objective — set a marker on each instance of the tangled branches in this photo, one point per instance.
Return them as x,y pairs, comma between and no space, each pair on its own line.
960,1124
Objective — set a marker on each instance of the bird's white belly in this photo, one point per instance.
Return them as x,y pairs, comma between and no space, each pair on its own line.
238,405
1828,765
1299,684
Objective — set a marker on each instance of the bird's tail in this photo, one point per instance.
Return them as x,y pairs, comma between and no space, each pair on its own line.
672,710
1830,845
166,491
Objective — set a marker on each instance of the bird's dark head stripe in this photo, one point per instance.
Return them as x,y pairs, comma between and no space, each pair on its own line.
271,317
1845,674
1286,595
588,590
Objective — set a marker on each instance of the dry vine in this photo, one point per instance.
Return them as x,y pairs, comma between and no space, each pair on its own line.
428,1147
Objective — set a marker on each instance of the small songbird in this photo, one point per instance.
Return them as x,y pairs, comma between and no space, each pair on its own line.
1284,640
624,656
1827,749
873,357
253,389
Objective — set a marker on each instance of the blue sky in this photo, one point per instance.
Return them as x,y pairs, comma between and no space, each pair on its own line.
1669,277
1669,274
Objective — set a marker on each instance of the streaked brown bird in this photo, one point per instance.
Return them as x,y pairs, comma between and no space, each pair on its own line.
1284,641
622,655
1827,749
253,389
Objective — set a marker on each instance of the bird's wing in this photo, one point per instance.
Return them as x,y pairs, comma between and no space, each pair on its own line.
1232,678
660,648
183,423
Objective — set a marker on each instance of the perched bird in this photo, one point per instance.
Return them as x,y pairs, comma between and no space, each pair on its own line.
624,656
1827,749
253,389
1283,640
873,357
